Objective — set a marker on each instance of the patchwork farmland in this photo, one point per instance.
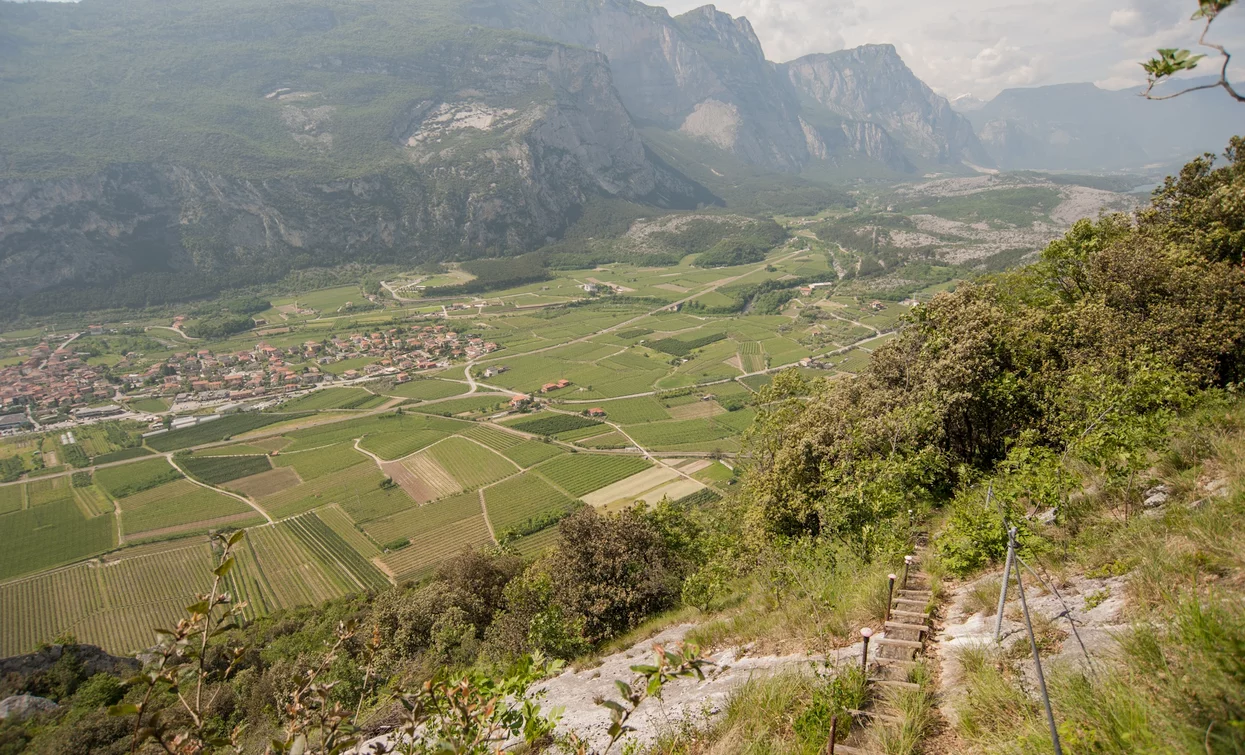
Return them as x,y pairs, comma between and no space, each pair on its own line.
350,489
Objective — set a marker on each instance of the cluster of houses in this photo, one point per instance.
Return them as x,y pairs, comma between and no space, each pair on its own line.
57,378
50,378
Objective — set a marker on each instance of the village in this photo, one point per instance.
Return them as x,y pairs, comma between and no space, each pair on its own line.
55,383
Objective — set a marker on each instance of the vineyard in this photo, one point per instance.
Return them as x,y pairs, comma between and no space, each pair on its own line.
334,398
430,548
289,574
468,405
338,521
51,490
426,390
515,501
219,469
580,474
38,608
679,348
632,411
124,454
129,479
530,546
216,430
11,498
335,554
667,434
179,505
529,453
396,445
51,535
92,501
498,440
380,424
342,487
551,424
423,519
471,464
323,461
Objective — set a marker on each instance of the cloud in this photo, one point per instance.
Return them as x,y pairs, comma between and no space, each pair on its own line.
982,46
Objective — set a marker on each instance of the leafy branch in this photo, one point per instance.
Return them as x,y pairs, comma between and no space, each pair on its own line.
1171,61
682,662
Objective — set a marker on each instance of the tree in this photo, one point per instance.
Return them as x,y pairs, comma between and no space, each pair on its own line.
1171,61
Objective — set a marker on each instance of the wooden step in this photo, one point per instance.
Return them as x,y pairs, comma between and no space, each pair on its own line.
909,614
911,602
895,684
875,715
886,641
908,627
894,662
915,593
845,750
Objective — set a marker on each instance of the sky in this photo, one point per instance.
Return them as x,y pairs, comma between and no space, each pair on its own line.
977,47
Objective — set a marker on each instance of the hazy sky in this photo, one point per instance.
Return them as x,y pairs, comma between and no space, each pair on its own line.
980,47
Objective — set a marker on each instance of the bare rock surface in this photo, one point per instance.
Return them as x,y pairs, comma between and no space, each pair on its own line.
21,707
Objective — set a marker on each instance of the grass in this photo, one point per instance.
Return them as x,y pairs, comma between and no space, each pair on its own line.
819,606
580,474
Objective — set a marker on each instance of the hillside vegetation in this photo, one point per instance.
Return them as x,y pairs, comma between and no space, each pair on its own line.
1064,388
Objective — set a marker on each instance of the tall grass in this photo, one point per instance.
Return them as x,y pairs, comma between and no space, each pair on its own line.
808,597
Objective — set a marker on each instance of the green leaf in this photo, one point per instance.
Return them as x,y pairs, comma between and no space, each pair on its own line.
237,536
645,669
201,607
224,567
124,709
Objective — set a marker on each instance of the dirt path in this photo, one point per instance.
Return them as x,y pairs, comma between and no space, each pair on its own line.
244,499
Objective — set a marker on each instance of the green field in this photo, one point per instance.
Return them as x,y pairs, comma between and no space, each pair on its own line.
580,474
124,454
470,405
215,470
631,411
151,405
50,535
180,506
523,498
422,519
216,430
426,389
12,498
320,462
334,398
549,423
529,453
332,550
128,479
343,487
471,464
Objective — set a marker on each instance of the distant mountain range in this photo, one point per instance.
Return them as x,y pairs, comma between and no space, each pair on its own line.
1080,127
185,146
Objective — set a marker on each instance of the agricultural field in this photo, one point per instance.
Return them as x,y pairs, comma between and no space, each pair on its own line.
579,474
425,480
426,390
334,398
128,479
515,501
180,507
215,470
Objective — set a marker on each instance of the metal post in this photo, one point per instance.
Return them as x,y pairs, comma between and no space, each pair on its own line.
907,561
864,654
1037,659
1007,575
890,596
834,732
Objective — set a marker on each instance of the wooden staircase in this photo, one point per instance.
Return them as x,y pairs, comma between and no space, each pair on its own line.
906,631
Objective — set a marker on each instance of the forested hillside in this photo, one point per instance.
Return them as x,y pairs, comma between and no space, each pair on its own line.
1065,389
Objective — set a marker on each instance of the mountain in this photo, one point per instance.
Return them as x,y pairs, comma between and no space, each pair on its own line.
1083,127
184,146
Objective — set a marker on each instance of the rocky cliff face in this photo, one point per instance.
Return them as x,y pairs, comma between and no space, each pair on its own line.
872,85
705,75
484,175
